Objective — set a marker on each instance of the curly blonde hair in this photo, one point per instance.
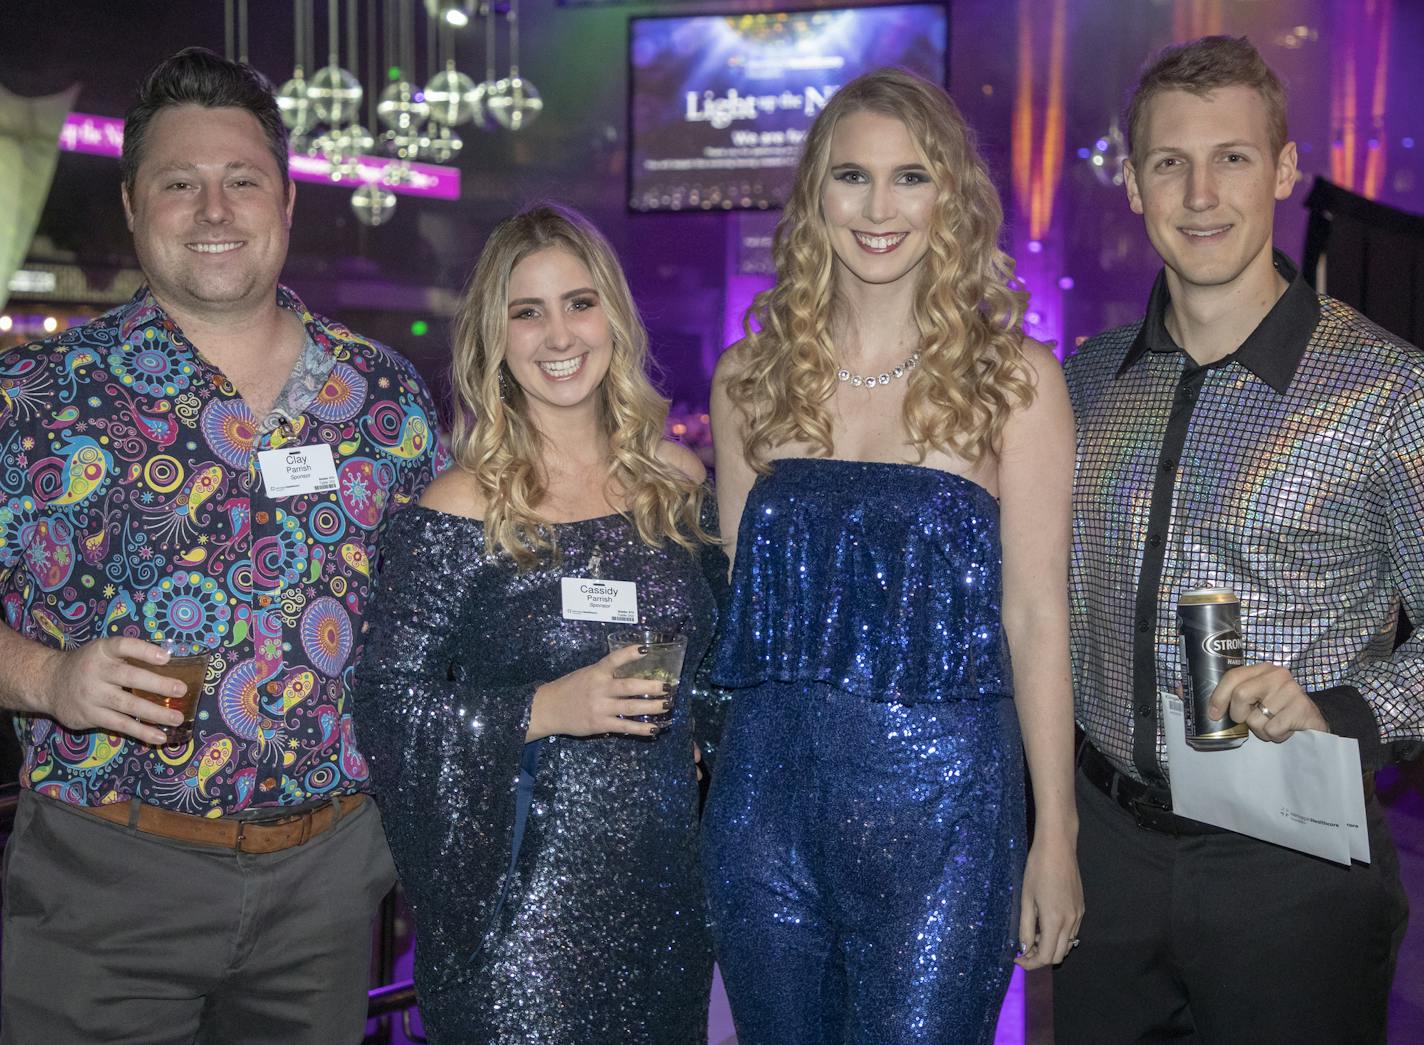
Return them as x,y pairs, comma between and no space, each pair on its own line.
972,372
493,436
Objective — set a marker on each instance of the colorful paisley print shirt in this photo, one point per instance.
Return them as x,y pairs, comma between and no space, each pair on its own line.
132,503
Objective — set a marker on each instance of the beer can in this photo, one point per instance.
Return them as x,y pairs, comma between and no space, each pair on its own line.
1209,631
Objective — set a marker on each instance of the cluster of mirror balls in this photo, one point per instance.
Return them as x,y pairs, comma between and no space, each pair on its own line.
419,124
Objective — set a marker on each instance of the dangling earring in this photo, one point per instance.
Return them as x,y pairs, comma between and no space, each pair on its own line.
503,384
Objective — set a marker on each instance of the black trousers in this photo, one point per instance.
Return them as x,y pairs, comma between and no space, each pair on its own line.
1223,939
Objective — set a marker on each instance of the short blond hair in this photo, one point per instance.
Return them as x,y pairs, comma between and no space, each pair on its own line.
1200,67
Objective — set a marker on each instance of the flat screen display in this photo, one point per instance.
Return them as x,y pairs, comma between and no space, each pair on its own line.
719,104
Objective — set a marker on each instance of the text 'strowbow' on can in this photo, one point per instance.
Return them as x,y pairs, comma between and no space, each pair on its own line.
1209,630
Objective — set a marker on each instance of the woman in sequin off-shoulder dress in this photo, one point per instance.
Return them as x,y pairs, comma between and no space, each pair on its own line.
546,838
894,460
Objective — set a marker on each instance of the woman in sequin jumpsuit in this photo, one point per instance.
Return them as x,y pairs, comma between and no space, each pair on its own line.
546,839
894,460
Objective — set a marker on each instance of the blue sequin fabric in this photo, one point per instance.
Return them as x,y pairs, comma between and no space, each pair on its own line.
864,837
880,579
596,930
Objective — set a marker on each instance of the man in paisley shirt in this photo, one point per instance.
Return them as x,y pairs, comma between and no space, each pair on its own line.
221,888
1254,435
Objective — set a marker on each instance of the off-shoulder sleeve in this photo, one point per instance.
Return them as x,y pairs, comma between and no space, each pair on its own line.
443,751
710,702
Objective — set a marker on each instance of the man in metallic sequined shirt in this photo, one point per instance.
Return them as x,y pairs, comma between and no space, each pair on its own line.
209,466
1246,434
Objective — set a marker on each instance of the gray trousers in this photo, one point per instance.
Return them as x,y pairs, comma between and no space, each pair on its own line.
115,936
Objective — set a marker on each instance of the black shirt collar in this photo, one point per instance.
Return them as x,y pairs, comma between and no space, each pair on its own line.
1273,350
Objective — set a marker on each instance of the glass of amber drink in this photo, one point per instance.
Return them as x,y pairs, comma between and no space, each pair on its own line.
189,665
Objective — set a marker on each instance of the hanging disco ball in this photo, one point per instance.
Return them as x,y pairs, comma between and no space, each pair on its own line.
401,107
1107,155
352,140
479,98
398,173
444,145
335,95
515,103
454,13
451,97
324,145
343,149
373,204
295,105
403,145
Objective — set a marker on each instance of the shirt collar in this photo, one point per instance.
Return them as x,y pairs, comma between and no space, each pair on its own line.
144,310
1272,351
308,376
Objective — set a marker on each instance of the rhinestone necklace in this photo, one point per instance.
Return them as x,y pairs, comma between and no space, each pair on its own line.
894,373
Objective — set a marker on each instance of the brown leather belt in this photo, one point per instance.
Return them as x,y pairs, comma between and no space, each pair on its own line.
243,836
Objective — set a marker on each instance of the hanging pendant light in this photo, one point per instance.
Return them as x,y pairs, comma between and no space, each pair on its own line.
483,118
451,97
444,145
292,100
294,105
335,92
454,13
514,101
373,204
345,148
402,107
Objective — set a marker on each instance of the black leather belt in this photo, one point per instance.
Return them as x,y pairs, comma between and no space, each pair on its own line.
1151,807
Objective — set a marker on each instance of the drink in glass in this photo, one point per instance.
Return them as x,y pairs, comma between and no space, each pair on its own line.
662,663
190,669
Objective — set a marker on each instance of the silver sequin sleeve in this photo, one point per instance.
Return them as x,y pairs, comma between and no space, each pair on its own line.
443,749
1307,501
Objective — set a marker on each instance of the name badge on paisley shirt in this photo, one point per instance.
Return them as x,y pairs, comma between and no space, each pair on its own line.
613,601
294,470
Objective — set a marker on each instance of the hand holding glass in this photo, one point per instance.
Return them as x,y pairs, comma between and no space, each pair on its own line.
191,669
662,663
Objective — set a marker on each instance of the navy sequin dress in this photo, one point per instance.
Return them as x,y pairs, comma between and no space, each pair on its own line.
567,910
864,838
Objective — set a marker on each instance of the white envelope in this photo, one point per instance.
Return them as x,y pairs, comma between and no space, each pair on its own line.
1306,793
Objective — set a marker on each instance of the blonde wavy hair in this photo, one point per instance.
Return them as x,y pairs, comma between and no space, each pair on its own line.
972,372
493,436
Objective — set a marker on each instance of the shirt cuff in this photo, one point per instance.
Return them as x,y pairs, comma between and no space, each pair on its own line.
1349,715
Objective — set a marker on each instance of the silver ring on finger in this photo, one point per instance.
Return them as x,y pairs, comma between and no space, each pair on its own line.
1265,711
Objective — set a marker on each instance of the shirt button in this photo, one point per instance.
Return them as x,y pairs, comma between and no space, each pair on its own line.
1142,625
1144,710
1168,464
1155,540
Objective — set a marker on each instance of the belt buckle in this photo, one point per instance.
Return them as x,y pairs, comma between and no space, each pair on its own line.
241,835
1152,816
